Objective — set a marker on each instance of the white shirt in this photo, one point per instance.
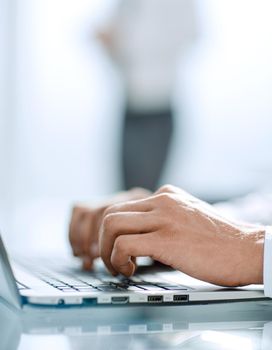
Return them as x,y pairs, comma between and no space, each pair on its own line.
267,271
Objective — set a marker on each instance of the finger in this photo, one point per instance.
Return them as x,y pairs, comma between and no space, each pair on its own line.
88,260
80,232
127,248
77,233
73,230
96,221
140,205
118,224
94,250
87,263
84,233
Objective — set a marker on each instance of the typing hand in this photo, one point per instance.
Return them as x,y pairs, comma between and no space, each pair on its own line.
183,232
85,223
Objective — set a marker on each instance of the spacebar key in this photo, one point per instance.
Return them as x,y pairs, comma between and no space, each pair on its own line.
108,289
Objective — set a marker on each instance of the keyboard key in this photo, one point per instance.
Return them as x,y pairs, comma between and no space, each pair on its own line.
135,279
123,286
150,287
68,290
82,286
58,284
67,280
172,287
108,289
109,279
52,281
134,289
89,280
87,290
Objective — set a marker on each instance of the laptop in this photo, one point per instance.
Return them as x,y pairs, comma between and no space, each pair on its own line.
60,283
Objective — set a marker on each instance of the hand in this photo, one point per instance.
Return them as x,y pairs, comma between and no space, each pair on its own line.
85,223
185,233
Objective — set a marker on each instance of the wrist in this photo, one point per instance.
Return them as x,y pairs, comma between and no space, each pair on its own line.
252,254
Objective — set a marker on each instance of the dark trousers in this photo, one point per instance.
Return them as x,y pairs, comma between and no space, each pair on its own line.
145,146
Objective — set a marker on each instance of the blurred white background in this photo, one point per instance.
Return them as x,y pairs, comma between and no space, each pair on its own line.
60,102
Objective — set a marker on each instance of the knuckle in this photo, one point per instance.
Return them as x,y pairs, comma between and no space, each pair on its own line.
81,210
77,209
119,245
110,210
165,198
108,221
139,192
83,215
90,215
167,189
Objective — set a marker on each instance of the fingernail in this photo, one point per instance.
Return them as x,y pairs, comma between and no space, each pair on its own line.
75,250
128,269
87,263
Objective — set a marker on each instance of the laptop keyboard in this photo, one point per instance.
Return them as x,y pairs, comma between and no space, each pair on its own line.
66,280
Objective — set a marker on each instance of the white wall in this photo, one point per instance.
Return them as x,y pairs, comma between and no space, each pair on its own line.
227,95
61,127
6,46
65,123
3,36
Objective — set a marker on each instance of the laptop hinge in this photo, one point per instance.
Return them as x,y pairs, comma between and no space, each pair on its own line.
8,287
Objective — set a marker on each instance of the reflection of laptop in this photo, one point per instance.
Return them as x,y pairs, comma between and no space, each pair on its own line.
55,283
198,326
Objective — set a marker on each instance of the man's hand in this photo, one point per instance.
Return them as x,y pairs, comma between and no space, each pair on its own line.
86,221
185,233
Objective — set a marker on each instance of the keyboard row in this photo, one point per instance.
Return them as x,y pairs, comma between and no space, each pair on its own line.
94,285
66,280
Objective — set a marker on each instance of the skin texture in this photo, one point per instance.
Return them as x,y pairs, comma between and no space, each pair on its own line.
176,229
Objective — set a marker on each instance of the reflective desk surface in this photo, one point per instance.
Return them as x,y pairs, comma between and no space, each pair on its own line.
246,325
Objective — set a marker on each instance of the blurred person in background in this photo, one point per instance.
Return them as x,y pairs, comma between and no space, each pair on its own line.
146,40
